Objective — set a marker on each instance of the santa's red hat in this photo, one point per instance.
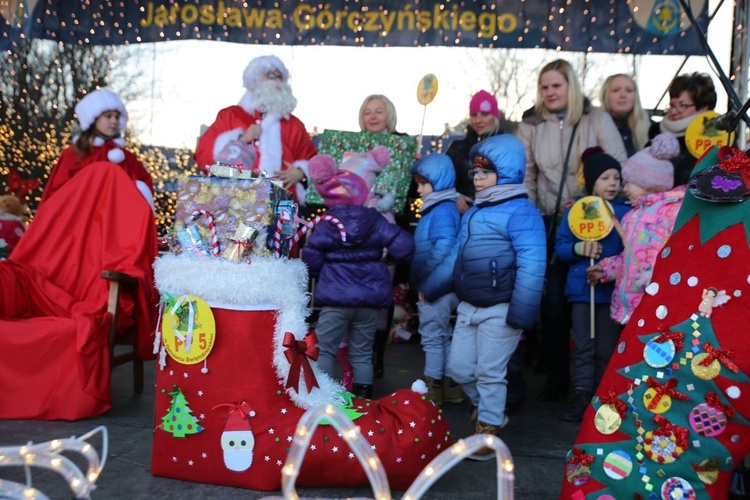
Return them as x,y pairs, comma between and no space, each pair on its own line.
238,419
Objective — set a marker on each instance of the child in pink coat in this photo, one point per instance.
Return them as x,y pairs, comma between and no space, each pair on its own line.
648,176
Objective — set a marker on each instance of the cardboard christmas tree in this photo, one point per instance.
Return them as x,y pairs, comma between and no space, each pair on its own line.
670,417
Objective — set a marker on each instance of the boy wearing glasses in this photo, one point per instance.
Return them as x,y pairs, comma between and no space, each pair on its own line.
689,95
498,278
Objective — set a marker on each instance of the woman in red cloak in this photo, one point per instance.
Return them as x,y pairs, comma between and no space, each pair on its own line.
54,323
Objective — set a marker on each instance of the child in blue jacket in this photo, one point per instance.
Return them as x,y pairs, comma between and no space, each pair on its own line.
498,277
353,282
590,356
435,242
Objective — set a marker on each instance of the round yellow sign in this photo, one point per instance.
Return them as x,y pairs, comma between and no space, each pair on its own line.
702,134
188,330
427,88
590,218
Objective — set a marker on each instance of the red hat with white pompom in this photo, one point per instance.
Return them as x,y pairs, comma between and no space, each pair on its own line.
238,420
97,102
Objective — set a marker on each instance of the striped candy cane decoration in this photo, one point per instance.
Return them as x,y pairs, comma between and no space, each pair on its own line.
330,218
211,227
284,216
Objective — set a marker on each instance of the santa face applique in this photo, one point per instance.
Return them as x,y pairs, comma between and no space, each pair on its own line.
238,440
238,449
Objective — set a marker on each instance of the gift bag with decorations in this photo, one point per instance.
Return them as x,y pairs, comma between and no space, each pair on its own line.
237,370
670,417
394,179
255,202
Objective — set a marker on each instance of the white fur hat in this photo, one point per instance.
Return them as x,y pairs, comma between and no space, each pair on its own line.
257,67
97,102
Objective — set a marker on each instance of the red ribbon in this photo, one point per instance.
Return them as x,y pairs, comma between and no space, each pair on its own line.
245,246
676,337
297,353
713,400
243,408
579,457
723,355
734,160
611,399
664,390
666,428
20,187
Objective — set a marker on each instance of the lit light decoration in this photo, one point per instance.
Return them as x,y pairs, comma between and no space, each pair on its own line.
48,456
331,415
458,452
353,437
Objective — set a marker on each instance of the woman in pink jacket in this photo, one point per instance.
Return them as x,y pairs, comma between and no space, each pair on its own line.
649,177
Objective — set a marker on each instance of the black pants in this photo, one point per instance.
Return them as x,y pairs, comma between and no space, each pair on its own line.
555,321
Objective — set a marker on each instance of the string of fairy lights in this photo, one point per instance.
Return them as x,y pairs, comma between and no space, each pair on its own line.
372,465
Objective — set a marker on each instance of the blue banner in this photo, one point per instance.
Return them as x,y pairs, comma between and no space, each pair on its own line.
635,26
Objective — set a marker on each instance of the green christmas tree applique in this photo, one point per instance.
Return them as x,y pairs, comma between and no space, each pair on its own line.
179,420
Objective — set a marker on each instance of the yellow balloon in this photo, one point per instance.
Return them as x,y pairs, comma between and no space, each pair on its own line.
202,330
427,88
590,219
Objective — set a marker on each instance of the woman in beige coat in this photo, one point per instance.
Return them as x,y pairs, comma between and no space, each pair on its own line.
561,124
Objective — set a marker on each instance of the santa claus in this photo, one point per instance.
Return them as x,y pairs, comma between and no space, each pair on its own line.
263,118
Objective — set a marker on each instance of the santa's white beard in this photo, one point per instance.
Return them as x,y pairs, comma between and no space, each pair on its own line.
238,460
273,97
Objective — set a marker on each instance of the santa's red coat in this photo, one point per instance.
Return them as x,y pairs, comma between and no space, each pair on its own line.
296,144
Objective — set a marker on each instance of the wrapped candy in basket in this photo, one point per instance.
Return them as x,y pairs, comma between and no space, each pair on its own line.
240,247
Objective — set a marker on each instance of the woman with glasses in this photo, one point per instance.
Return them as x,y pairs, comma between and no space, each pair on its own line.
555,132
689,95
619,97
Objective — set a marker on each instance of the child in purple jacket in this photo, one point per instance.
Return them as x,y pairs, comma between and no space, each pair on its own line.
353,282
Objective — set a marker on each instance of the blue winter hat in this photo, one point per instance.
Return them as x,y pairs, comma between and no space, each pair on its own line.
437,169
502,153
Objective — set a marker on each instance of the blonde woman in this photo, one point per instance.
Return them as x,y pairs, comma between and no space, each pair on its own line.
619,97
555,132
378,114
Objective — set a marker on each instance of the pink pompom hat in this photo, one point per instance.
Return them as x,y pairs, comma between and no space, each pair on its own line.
336,186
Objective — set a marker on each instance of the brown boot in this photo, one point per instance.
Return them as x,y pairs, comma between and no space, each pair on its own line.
434,390
452,392
483,428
